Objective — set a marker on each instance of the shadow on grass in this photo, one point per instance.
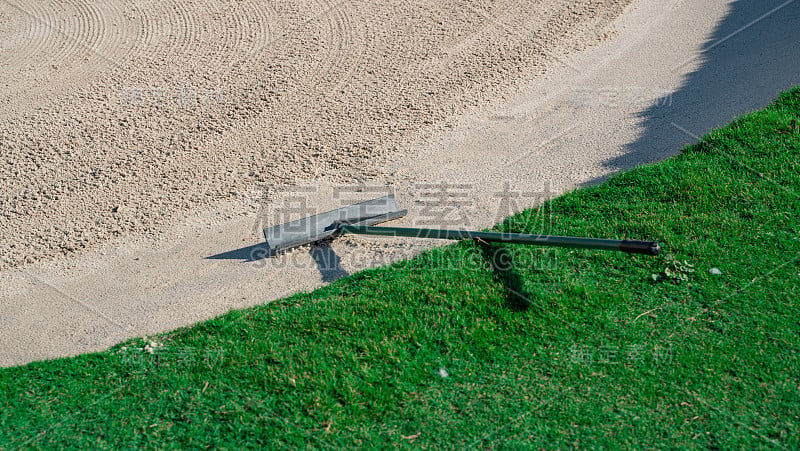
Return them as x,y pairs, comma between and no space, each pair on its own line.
502,263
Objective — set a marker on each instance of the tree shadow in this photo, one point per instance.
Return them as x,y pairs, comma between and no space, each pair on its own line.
502,263
753,54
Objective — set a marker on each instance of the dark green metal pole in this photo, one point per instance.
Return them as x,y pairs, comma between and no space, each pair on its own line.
630,246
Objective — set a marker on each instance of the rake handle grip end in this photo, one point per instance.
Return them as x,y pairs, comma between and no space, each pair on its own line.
640,247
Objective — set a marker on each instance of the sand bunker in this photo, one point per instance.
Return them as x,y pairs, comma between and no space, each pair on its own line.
118,117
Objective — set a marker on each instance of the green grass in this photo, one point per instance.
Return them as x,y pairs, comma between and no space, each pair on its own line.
564,349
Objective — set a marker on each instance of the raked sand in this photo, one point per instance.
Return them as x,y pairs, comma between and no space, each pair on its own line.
119,116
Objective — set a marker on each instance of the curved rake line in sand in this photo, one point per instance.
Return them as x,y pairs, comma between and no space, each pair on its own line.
172,31
333,71
175,35
101,163
104,164
328,70
93,159
307,123
258,20
39,29
321,76
69,40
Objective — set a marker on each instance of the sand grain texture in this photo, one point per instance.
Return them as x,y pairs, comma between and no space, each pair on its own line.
121,117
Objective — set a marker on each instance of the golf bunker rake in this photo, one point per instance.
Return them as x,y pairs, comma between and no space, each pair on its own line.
360,219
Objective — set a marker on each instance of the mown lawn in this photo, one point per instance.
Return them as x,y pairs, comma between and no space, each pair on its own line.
457,347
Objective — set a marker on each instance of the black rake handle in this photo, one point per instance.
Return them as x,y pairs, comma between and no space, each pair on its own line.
629,246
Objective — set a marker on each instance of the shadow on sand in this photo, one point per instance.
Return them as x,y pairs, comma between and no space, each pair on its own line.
753,54
328,262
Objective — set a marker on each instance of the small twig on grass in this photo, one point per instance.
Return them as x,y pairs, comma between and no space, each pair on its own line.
412,437
645,313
